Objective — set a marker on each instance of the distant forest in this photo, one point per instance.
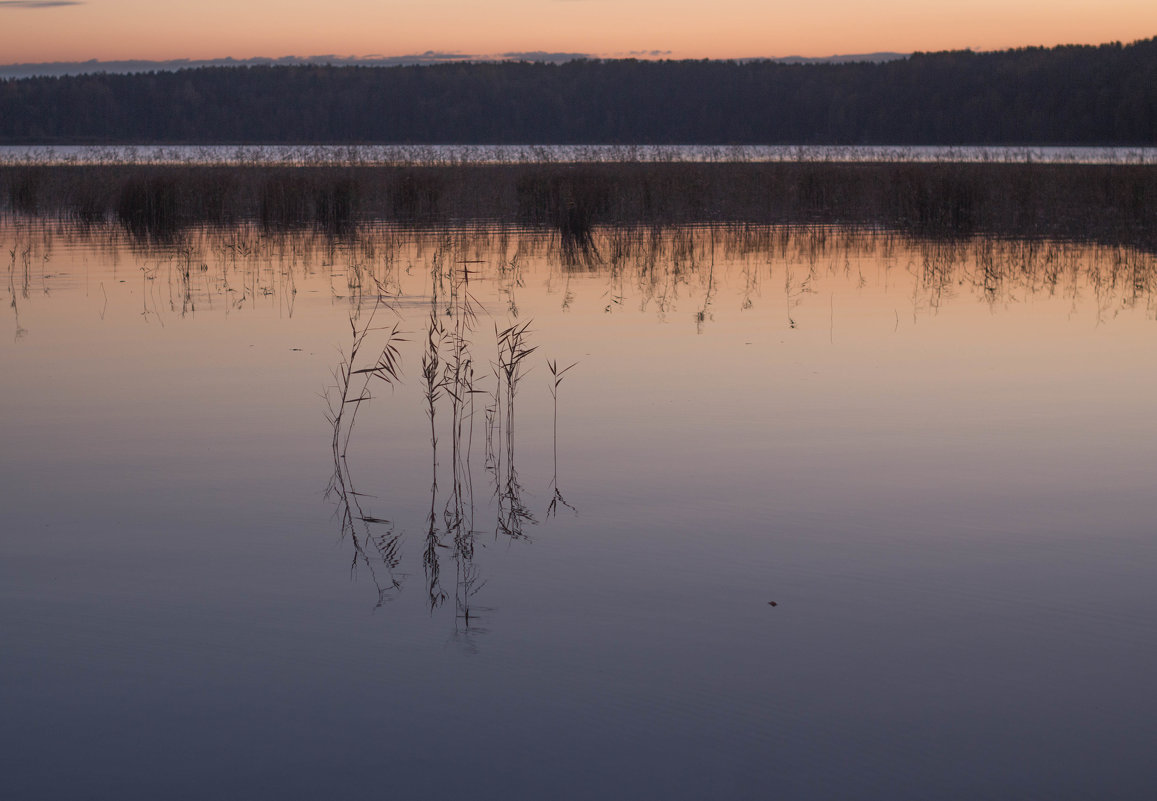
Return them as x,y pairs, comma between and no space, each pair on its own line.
1079,95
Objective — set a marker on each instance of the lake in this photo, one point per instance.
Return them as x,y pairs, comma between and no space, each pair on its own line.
740,512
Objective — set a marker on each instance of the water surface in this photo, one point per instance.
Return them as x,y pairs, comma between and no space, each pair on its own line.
823,515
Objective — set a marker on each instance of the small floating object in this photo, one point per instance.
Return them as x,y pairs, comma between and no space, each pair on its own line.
772,603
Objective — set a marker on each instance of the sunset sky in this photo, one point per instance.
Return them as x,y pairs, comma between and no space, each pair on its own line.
57,30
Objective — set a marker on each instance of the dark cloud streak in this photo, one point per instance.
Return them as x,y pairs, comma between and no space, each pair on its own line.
39,3
543,56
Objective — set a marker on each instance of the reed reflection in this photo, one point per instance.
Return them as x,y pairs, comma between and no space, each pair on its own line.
374,539
28,246
513,350
556,376
452,390
25,256
239,268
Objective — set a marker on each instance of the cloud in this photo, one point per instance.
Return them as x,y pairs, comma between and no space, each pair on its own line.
39,3
875,58
541,55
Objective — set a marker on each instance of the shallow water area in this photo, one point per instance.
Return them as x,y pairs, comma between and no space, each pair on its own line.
815,513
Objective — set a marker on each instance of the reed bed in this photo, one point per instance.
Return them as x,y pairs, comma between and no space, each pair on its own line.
1105,203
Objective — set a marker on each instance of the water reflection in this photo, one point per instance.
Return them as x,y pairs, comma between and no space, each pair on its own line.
26,246
556,375
374,539
513,350
452,391
658,270
24,280
955,438
661,271
450,303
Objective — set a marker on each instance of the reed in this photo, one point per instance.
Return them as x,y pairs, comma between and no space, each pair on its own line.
556,376
351,389
513,351
1105,203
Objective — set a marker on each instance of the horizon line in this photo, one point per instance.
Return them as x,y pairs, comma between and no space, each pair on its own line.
61,68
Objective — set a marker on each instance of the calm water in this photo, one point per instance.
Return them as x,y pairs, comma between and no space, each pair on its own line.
297,155
937,460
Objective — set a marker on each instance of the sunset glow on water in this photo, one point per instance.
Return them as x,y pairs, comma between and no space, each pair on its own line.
818,513
578,400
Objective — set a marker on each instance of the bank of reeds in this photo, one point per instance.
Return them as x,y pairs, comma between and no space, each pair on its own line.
1111,204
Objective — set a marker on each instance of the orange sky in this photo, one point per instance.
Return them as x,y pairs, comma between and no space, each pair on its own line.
52,30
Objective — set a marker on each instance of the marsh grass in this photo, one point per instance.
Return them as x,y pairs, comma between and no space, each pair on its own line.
1106,203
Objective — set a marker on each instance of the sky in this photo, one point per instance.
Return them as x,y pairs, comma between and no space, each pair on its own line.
34,31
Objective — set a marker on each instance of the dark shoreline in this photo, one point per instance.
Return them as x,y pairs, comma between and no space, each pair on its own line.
1075,95
1109,204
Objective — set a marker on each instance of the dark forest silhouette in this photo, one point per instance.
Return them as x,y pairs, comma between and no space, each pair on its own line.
1090,95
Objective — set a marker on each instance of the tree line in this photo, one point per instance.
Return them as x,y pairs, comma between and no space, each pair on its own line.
1078,95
